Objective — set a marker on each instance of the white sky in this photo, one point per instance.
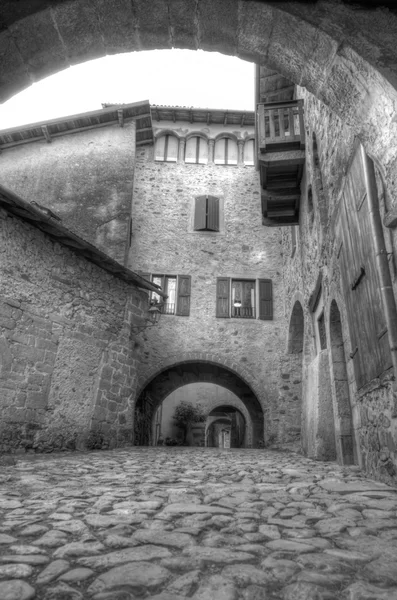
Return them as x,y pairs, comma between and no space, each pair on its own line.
170,77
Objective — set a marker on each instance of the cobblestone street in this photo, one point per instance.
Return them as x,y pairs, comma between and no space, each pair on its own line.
175,523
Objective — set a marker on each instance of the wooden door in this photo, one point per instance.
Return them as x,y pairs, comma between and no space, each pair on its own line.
360,281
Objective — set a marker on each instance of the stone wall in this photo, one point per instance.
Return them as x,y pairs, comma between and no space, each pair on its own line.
374,427
163,242
86,178
68,359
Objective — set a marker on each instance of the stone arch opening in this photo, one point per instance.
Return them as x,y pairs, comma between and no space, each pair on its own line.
180,374
320,49
225,418
296,330
345,441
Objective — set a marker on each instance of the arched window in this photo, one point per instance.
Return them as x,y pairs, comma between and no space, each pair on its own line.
196,150
166,148
310,206
249,149
225,151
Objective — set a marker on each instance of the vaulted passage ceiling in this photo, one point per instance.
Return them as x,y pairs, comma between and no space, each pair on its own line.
343,55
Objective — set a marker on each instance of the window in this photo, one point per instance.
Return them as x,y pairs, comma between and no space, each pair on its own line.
166,148
249,152
177,288
225,152
244,298
206,213
196,150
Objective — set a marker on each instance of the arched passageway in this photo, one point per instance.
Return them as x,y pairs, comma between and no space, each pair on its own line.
225,428
181,374
343,419
318,46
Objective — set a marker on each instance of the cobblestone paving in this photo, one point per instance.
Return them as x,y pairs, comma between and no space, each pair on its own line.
177,523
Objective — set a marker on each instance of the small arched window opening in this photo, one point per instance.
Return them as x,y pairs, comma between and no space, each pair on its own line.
166,148
196,150
249,152
296,330
226,152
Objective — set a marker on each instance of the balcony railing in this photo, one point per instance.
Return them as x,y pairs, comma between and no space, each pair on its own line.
243,312
281,126
168,308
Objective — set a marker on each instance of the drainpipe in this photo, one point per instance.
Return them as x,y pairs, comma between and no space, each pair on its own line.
382,263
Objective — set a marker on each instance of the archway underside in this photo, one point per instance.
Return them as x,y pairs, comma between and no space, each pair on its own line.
176,376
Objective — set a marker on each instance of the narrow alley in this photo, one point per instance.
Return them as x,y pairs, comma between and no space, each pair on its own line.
201,523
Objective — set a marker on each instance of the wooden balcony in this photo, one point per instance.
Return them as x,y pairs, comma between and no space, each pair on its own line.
281,158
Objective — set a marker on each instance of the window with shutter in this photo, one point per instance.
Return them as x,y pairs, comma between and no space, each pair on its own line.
183,304
177,288
206,214
237,298
166,148
265,299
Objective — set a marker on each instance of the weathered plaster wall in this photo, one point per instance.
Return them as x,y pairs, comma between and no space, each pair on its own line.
68,361
375,438
162,242
86,178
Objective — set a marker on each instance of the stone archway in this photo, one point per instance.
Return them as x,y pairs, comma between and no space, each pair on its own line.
230,418
344,421
176,375
332,50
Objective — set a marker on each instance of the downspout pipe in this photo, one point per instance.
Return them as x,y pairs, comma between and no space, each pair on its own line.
382,263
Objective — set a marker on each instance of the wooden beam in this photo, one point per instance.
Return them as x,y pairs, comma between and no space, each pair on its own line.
242,120
174,116
208,118
225,119
191,116
46,133
120,116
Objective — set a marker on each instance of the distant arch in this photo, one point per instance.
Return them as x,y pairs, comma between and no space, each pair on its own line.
158,387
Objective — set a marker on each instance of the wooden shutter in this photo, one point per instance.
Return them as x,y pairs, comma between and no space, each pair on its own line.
200,213
183,301
367,326
265,299
213,213
222,297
